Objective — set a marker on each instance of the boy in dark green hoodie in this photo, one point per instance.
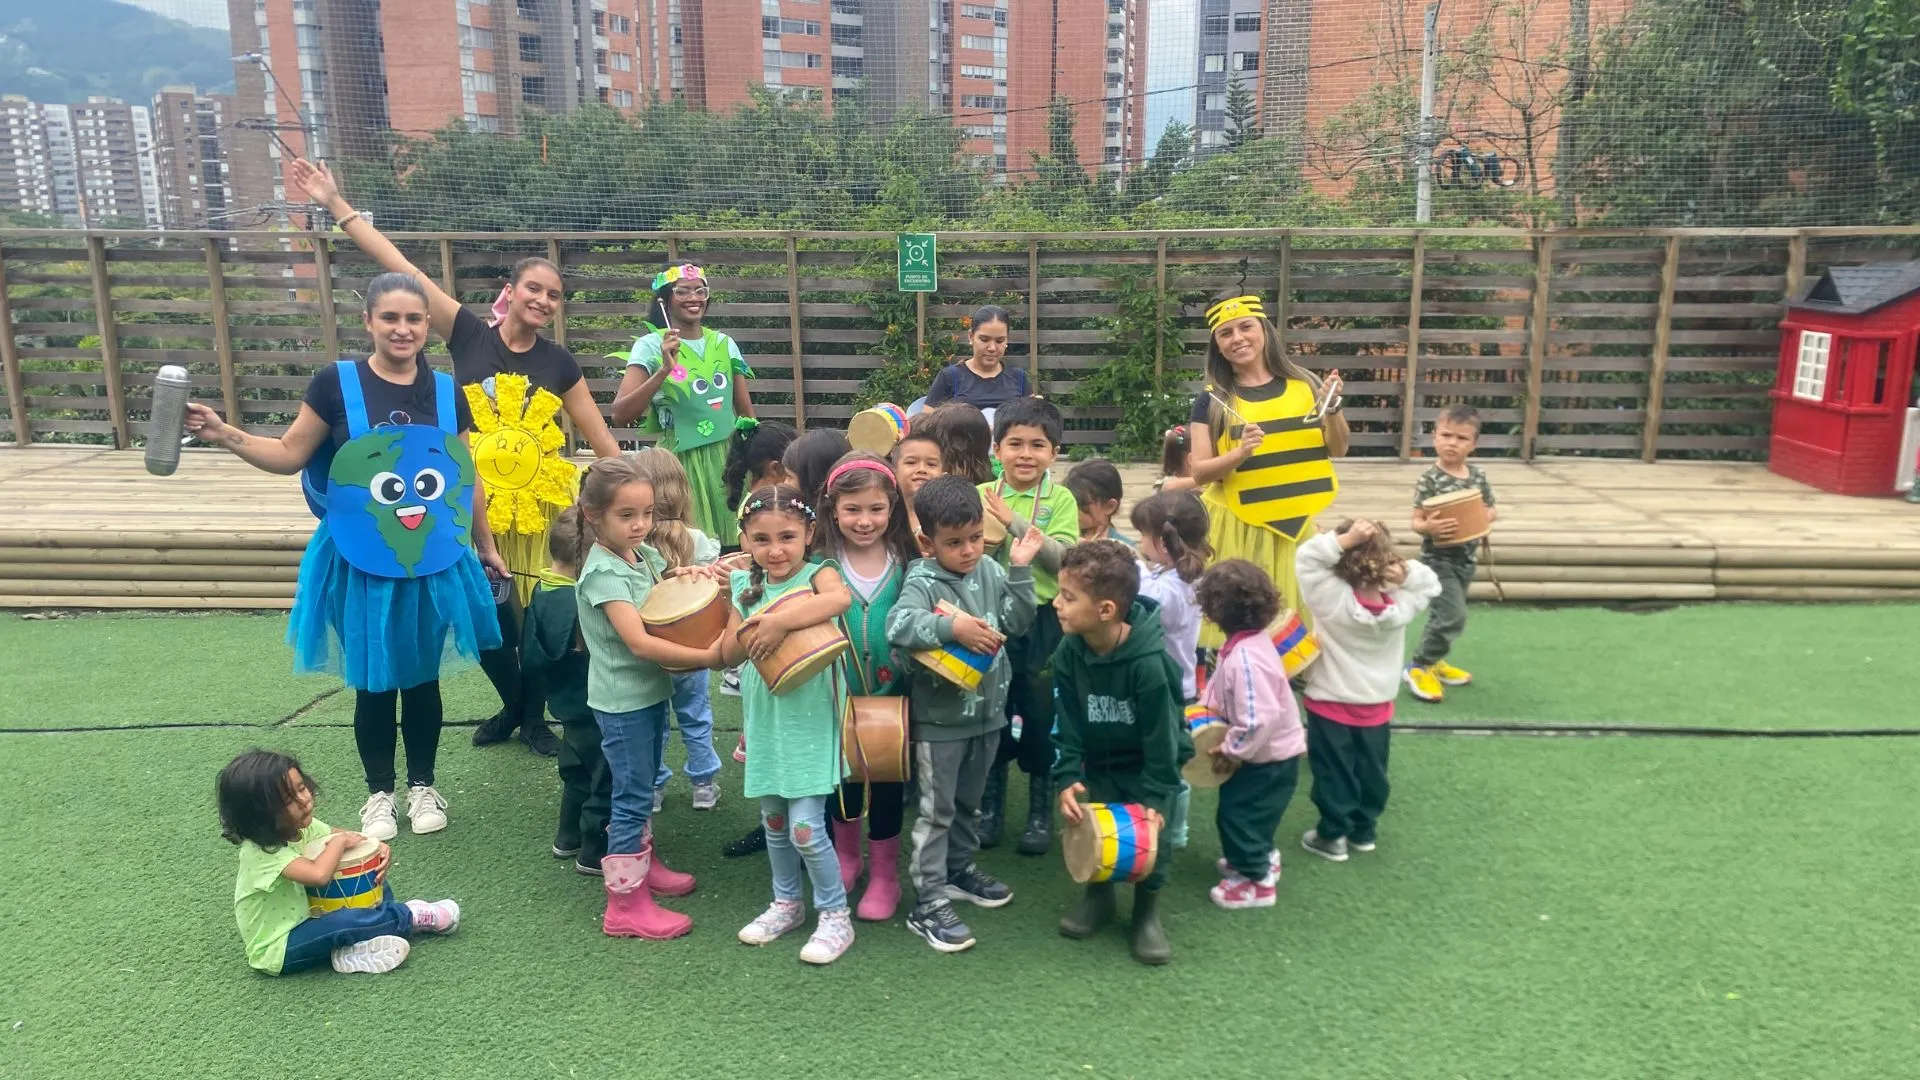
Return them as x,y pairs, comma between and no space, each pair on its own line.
956,732
550,645
1117,724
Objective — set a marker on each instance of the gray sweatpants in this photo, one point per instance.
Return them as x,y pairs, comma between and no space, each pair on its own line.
1447,615
952,778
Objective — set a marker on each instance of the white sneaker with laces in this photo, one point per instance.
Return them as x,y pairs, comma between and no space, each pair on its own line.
706,796
832,937
373,956
426,809
780,917
438,917
730,682
376,817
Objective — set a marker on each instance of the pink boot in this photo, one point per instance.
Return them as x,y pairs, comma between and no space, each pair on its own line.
846,848
631,911
663,880
883,881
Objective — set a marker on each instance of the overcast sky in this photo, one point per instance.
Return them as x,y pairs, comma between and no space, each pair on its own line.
198,12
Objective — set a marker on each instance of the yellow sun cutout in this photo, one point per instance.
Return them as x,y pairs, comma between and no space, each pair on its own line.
515,454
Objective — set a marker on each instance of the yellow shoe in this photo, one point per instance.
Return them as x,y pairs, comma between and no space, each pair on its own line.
1424,686
1448,674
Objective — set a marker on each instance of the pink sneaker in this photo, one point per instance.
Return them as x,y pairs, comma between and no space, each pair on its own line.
832,937
1273,864
740,751
1237,892
438,917
779,918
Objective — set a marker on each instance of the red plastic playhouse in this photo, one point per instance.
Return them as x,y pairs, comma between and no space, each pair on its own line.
1841,393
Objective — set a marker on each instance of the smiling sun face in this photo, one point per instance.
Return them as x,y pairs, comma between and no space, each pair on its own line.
515,455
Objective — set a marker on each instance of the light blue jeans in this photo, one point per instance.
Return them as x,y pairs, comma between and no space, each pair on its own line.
693,715
796,836
630,742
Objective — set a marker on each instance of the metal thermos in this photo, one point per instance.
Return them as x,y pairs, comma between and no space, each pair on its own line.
172,386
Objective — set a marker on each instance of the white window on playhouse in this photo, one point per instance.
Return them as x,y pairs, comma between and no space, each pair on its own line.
1810,372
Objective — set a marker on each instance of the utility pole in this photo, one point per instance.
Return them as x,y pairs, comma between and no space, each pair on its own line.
1423,152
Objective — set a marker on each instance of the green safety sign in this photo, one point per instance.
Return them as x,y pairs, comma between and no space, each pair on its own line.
919,264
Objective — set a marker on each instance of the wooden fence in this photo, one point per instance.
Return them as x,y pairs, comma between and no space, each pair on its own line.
1629,343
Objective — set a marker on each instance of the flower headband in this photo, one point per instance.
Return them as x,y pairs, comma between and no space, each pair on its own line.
1238,307
858,463
683,272
755,505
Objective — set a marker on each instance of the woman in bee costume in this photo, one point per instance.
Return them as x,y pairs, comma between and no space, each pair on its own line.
1265,432
691,382
391,582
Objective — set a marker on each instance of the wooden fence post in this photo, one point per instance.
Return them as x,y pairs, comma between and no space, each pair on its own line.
1662,343
10,359
1410,389
560,318
1160,316
223,335
1033,314
329,318
109,341
793,332
1537,341
449,279
1796,263
1283,299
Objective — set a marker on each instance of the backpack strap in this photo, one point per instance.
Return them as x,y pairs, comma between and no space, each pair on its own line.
353,398
443,403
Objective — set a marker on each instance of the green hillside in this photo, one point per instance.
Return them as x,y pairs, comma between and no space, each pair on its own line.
67,51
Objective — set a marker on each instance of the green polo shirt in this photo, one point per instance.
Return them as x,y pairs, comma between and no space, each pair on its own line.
617,680
1052,509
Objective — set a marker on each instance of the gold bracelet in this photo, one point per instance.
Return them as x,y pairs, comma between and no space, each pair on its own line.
345,221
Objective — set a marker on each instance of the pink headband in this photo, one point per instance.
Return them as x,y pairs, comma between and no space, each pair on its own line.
858,463
500,306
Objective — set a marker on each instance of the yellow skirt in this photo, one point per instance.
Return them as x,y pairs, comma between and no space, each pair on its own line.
1232,538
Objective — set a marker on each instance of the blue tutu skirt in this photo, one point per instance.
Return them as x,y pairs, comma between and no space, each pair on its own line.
380,633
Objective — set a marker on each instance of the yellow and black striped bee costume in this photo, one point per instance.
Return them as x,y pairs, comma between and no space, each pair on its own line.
1289,481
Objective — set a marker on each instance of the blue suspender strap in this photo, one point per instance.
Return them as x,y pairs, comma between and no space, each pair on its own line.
352,397
444,403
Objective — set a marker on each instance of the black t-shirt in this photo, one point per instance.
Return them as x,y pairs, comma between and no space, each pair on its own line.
1267,391
957,382
387,403
479,353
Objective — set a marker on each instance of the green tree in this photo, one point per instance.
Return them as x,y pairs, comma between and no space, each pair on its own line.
1243,114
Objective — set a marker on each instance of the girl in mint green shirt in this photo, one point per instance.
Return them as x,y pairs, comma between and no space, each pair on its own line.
266,808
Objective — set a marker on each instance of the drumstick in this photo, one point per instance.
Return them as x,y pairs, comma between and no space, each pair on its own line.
1228,408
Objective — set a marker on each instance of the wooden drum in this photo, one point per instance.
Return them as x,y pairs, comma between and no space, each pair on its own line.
953,661
1113,842
690,611
1297,646
1465,507
993,532
806,652
873,738
356,882
876,430
1208,729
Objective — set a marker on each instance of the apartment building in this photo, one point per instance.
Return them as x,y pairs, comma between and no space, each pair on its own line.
192,157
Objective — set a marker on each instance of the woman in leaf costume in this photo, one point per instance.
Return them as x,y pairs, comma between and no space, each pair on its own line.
516,383
691,383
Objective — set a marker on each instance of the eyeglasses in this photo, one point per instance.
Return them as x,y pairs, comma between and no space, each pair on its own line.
698,293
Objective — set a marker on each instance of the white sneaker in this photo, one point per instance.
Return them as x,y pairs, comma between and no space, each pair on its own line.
373,956
438,917
780,917
730,682
831,937
376,817
426,809
706,796
659,799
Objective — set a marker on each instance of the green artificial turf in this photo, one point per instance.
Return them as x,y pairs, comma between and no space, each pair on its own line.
1564,908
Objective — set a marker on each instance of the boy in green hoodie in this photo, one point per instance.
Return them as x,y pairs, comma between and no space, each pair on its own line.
550,645
1117,720
956,731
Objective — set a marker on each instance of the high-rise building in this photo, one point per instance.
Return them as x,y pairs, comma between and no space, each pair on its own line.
1101,74
192,155
26,159
113,153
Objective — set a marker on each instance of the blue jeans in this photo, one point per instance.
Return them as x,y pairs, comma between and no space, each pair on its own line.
311,944
694,716
797,835
631,742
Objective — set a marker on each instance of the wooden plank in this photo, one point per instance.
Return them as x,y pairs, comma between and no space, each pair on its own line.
1796,264
1410,388
1662,343
560,318
222,333
109,341
1537,342
793,325
1283,295
10,359
449,270
1033,311
323,281
1159,315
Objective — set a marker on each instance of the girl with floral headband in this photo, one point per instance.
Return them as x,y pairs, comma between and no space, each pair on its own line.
1262,439
691,383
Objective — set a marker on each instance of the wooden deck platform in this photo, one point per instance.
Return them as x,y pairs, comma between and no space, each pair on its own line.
82,527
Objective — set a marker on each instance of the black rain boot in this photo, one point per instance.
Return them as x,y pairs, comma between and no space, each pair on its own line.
993,806
1149,940
751,844
1037,837
1094,911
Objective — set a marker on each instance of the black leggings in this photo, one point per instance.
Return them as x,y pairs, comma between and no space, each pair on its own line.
418,709
502,665
884,816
